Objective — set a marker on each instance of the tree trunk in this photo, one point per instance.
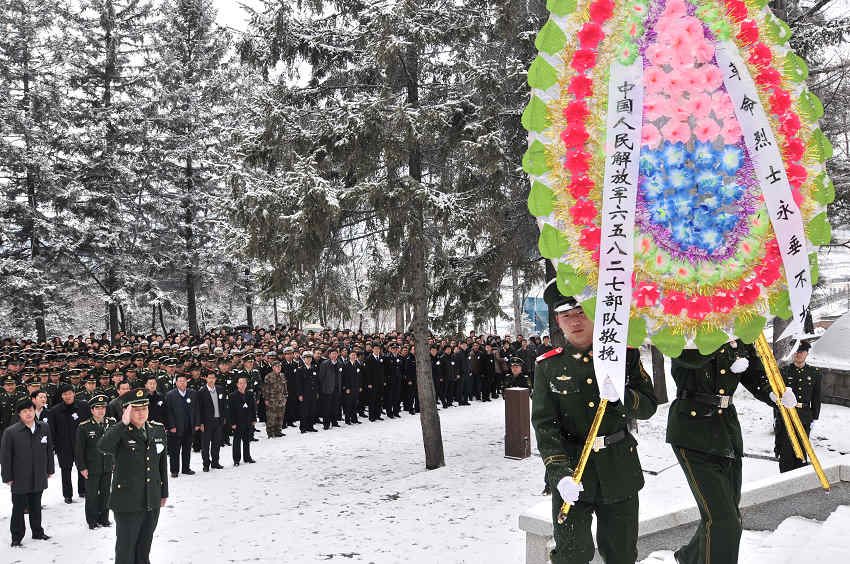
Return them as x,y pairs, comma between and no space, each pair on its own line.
249,300
153,318
162,321
113,324
399,318
432,435
659,381
555,333
515,300
191,255
274,306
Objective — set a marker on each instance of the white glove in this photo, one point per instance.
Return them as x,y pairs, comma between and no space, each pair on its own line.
569,489
608,391
788,398
739,365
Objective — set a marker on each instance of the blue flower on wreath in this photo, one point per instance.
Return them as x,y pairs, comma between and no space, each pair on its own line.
730,193
710,239
725,222
654,187
731,158
683,232
708,181
651,162
704,155
680,178
702,218
661,211
683,203
674,154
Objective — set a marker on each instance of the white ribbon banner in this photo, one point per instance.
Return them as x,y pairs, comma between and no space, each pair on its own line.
770,169
616,249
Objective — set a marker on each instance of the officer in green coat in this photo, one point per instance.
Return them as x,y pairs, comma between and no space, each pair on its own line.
805,381
703,429
140,484
94,464
566,397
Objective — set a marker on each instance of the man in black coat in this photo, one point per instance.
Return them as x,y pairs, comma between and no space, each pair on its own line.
374,382
26,462
394,368
330,378
64,419
211,415
243,417
352,372
288,367
179,404
307,391
158,411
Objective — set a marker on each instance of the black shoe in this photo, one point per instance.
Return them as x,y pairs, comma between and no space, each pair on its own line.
216,466
174,474
236,464
69,500
304,431
206,468
326,427
313,430
93,526
189,472
335,424
281,435
379,418
16,543
106,523
250,461
546,491
42,536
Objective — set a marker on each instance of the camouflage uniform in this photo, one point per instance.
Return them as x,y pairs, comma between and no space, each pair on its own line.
275,394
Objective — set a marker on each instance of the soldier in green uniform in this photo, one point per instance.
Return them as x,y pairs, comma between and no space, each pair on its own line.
565,402
805,381
95,465
517,377
140,485
703,429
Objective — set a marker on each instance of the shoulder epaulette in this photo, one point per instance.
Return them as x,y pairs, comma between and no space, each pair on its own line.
86,421
157,423
550,354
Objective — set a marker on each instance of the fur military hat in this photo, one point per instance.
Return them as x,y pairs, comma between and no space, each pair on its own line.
24,403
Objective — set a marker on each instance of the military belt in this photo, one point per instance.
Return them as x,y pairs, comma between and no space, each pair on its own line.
601,442
708,399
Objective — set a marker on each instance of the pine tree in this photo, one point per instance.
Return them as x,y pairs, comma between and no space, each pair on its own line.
34,172
191,95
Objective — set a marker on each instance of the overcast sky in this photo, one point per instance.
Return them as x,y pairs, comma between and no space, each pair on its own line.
231,14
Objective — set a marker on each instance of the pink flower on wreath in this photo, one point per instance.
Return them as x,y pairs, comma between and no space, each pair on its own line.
706,129
693,27
682,45
590,35
654,106
676,131
712,76
583,59
655,79
730,131
699,105
704,51
694,80
677,109
721,105
583,212
659,54
649,136
665,27
675,9
675,83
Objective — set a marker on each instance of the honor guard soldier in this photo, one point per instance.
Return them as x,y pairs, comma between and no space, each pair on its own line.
95,465
140,484
517,378
564,405
703,429
805,381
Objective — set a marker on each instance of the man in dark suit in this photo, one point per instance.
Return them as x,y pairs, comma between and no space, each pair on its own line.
374,381
307,391
211,415
243,417
157,410
26,462
179,406
64,419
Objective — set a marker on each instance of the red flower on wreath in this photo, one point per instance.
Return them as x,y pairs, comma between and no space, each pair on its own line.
796,174
589,239
698,307
580,86
769,77
583,59
601,10
574,136
748,293
760,54
583,212
736,9
722,302
674,302
577,162
790,125
794,149
749,32
646,294
780,102
590,35
576,112
581,186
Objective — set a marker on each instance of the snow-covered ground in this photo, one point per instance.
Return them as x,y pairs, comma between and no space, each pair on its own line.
361,494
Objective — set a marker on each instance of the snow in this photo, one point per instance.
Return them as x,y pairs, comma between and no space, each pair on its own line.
830,351
361,494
